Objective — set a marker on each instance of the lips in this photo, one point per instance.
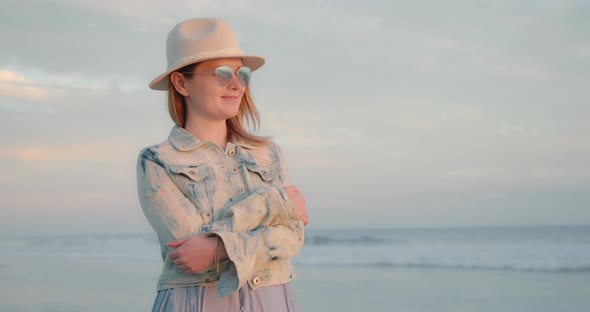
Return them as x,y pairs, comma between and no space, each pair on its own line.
229,97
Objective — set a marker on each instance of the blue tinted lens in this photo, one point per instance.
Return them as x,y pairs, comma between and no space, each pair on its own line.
243,74
224,74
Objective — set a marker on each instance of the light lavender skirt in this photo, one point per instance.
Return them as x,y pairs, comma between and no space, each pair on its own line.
204,299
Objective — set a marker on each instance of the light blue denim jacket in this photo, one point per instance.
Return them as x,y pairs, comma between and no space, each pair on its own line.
187,187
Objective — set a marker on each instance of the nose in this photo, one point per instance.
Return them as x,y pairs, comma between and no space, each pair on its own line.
234,83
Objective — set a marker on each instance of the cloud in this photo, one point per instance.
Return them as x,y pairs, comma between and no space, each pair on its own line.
443,106
309,161
474,173
16,85
548,173
513,129
306,131
449,44
143,14
105,151
583,50
469,113
37,85
521,71
398,153
28,92
7,76
451,54
375,22
414,121
25,107
63,201
348,134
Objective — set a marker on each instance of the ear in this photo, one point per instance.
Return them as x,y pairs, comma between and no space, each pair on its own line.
179,82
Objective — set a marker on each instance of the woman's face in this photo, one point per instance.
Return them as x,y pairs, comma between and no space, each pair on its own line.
207,97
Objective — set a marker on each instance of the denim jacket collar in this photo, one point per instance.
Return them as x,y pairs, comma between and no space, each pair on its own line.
183,140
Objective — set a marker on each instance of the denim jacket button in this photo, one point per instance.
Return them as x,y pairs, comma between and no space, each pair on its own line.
256,280
232,153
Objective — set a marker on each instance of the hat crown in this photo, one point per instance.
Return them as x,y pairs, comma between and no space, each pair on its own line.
199,37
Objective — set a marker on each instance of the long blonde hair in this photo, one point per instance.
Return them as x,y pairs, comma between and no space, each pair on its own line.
247,113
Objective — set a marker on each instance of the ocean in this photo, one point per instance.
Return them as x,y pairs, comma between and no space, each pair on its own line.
540,268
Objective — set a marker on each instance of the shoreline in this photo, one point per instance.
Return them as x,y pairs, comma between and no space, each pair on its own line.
36,283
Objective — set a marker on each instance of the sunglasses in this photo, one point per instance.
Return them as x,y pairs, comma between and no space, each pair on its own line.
224,74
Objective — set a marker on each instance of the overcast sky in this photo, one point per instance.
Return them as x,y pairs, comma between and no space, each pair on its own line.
390,113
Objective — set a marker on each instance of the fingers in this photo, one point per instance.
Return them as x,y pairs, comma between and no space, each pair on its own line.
180,262
176,257
294,192
176,243
186,269
304,218
297,198
291,188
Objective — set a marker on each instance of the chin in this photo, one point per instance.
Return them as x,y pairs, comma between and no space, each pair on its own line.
231,114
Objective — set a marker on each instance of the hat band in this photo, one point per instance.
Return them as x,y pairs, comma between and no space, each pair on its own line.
207,55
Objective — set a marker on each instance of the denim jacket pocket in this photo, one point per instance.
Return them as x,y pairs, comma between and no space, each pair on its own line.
267,171
193,172
196,182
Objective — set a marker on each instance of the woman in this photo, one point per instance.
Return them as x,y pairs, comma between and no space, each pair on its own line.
219,198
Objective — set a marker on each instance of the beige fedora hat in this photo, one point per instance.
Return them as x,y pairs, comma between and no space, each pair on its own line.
200,39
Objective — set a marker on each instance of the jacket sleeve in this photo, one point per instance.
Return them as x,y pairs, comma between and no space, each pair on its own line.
261,228
266,206
249,250
278,236
171,214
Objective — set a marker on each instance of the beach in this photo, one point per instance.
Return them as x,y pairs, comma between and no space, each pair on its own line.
32,284
73,274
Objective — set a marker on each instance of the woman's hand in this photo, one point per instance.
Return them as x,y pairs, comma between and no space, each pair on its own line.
196,252
297,199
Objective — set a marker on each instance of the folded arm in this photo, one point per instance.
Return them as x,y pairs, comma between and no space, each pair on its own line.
278,236
173,216
261,228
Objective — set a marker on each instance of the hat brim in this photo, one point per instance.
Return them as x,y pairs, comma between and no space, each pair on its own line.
161,82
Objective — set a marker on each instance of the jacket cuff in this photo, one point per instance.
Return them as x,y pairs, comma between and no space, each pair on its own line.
239,251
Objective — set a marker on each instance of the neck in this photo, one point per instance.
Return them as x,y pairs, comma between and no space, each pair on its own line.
208,130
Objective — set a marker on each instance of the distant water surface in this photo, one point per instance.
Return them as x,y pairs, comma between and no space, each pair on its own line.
509,269
542,248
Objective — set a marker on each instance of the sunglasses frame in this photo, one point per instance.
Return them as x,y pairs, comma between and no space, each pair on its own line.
221,73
